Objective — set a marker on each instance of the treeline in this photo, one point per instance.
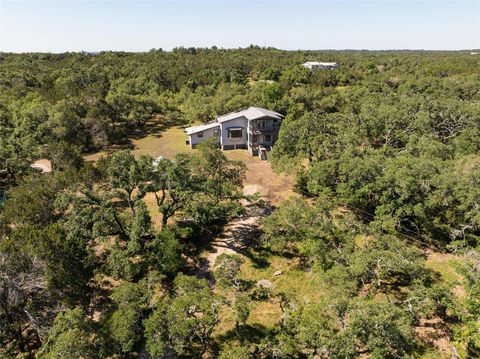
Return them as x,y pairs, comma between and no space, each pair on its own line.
400,152
54,104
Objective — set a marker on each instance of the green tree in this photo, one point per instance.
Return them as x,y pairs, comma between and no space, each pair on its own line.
125,175
237,352
68,261
64,155
319,333
33,201
120,264
72,336
125,324
172,185
165,253
140,229
220,182
382,328
310,232
157,331
226,270
185,321
241,308
467,334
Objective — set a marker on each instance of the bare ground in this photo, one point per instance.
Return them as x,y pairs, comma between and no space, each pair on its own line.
43,165
435,333
241,231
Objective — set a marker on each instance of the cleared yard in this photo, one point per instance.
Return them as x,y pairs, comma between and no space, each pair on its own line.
168,143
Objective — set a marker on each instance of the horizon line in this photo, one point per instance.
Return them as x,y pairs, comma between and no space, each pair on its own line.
233,48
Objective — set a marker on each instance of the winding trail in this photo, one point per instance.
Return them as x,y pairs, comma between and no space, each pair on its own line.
243,231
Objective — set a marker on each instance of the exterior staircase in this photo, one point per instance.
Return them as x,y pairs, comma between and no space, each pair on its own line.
262,153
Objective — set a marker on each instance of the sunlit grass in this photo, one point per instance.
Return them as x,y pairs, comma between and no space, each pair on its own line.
295,282
445,265
167,144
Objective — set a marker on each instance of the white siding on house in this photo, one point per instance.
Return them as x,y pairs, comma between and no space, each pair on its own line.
195,139
235,123
239,121
315,65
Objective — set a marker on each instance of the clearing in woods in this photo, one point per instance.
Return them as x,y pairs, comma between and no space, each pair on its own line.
272,188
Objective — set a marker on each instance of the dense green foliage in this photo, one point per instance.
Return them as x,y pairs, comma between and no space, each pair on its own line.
386,155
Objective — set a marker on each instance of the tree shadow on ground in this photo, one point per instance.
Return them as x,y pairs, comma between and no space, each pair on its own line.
241,235
251,333
154,127
123,140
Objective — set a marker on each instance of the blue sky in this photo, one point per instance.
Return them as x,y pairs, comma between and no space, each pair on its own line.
57,26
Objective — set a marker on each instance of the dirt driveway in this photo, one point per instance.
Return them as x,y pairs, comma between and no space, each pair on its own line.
260,178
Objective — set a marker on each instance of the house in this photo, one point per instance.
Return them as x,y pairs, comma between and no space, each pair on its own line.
254,129
315,65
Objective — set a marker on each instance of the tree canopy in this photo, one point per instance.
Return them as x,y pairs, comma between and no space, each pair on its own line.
102,259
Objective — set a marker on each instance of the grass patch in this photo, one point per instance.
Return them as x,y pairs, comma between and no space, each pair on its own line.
294,281
152,207
305,286
265,314
445,265
167,144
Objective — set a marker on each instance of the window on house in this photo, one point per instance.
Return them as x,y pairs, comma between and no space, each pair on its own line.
268,138
235,133
254,139
215,132
275,122
200,134
262,124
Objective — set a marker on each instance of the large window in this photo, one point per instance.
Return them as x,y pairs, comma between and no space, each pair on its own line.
235,133
200,134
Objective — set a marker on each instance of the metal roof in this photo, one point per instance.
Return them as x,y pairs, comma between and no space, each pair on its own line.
320,63
251,113
199,128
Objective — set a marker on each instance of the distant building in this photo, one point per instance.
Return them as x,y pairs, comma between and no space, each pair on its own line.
474,53
254,129
315,65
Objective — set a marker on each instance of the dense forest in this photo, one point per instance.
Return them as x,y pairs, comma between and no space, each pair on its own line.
385,156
